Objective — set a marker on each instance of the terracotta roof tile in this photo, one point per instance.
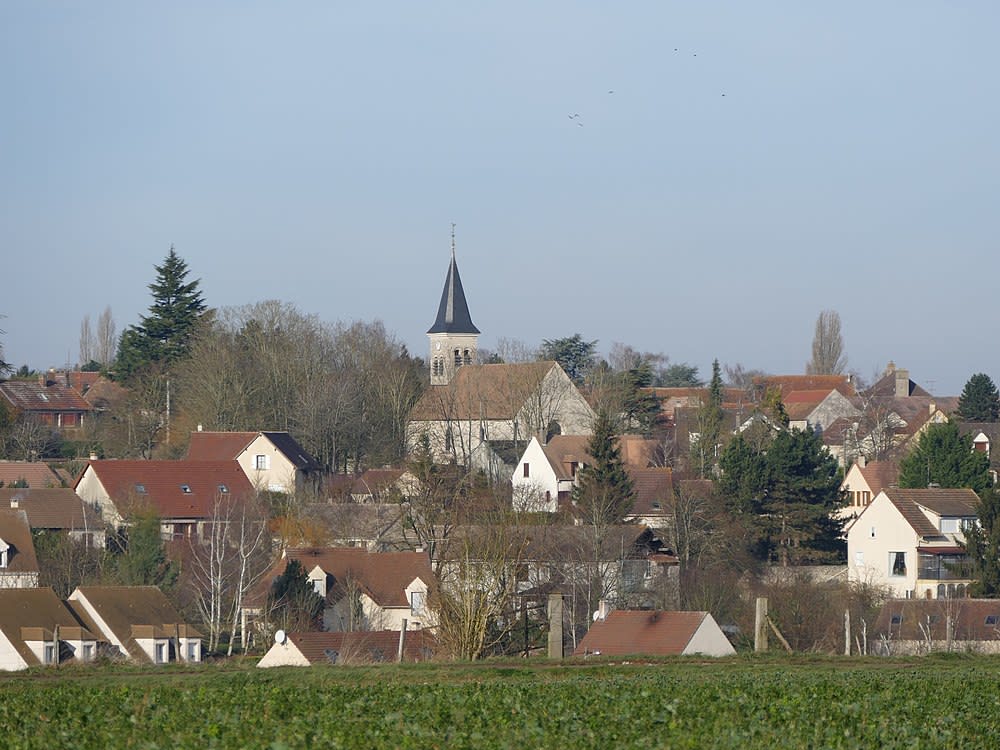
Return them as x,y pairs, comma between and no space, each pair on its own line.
35,473
16,532
53,508
31,396
482,391
363,646
654,491
163,483
973,619
880,474
655,633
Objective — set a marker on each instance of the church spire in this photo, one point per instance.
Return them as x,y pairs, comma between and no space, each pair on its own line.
453,337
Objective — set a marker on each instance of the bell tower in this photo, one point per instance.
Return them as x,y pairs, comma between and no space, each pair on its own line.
453,337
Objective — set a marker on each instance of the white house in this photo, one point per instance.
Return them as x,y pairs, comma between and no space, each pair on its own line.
138,623
36,628
909,541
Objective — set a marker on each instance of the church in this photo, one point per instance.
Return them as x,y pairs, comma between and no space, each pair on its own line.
482,416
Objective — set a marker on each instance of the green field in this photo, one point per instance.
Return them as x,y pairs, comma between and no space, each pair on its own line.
745,702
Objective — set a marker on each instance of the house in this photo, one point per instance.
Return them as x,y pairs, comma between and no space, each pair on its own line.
918,626
653,497
363,590
18,564
546,472
377,527
655,633
816,410
57,510
910,542
865,480
29,474
138,623
185,494
52,403
272,461
384,485
482,416
356,647
36,628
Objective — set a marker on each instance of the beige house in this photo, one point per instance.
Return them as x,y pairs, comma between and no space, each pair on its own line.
138,623
272,461
37,629
862,483
362,590
18,564
485,416
57,510
909,541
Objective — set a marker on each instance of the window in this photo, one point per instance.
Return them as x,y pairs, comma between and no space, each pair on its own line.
896,619
331,655
50,653
192,649
223,489
418,600
872,532
458,357
161,653
527,470
4,552
949,525
88,652
140,488
859,559
992,620
897,563
260,462
186,489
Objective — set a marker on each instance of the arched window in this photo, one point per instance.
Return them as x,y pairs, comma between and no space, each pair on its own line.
458,358
466,358
941,591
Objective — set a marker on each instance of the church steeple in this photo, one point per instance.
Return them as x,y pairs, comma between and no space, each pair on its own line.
453,337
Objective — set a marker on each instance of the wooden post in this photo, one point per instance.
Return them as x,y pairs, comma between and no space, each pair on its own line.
760,626
556,626
847,632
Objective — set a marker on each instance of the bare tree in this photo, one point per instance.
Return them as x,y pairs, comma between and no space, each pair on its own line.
87,342
828,346
106,340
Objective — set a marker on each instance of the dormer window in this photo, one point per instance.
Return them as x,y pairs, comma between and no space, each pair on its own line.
223,489
186,489
4,554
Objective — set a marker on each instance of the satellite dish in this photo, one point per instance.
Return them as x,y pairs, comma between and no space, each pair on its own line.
280,637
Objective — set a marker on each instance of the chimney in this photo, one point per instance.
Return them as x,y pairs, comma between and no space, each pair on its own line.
931,408
15,503
902,383
603,610
93,456
199,428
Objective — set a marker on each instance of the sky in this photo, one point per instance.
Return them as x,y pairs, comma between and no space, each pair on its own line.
698,179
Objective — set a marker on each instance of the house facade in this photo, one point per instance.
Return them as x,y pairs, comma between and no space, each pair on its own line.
137,622
57,510
272,461
52,403
37,629
18,563
910,542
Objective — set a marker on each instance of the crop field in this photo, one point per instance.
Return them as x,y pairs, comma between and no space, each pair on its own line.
739,703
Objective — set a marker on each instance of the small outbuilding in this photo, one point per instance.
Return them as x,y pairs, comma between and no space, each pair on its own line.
655,633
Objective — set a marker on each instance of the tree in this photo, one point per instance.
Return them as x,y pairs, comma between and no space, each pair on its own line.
680,375
980,401
142,560
945,458
784,492
604,490
105,342
710,427
573,354
982,544
87,342
5,367
827,346
293,603
165,335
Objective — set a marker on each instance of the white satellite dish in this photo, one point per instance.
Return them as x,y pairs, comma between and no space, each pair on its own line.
280,637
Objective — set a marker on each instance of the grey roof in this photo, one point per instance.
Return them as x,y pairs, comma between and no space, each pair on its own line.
453,312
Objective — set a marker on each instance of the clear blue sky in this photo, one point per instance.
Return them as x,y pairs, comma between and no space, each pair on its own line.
756,163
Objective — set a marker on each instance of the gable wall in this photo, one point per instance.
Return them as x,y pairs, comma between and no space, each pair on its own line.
529,492
709,639
892,534
10,659
280,476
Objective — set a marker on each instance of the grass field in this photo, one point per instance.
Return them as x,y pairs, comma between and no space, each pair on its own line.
745,702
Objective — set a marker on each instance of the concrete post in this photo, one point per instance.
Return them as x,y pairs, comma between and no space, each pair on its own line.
556,626
760,626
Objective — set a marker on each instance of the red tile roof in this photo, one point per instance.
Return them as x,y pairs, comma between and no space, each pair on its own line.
654,633
944,502
162,484
16,532
489,392
218,446
58,508
654,491
972,619
32,396
35,473
880,474
790,383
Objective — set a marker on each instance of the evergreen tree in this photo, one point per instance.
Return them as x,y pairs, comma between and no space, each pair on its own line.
710,426
980,401
143,559
294,603
573,354
604,490
784,491
165,334
945,457
982,544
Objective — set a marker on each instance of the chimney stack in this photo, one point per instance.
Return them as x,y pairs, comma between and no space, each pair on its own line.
902,383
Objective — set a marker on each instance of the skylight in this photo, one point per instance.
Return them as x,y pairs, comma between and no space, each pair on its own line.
186,489
140,488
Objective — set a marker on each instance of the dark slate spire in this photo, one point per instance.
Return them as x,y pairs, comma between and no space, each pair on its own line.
453,312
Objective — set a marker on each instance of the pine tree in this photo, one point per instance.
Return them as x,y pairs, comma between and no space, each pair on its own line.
982,543
980,401
165,334
710,424
944,457
604,491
